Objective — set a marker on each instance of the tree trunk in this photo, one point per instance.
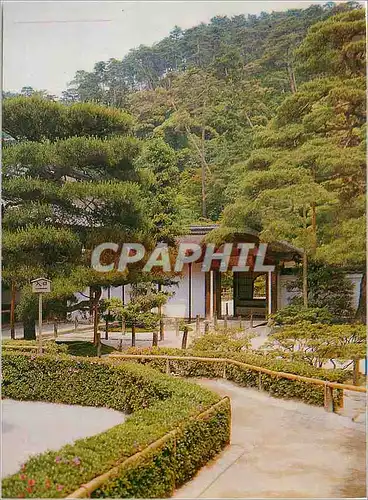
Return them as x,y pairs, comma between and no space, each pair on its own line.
314,228
159,288
185,338
203,169
107,329
305,261
12,311
29,327
133,335
361,312
305,279
96,334
356,372
291,76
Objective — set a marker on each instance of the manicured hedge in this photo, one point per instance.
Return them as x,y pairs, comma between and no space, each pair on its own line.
276,386
157,404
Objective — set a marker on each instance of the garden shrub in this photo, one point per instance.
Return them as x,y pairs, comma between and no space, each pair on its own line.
290,315
157,404
316,343
328,288
221,341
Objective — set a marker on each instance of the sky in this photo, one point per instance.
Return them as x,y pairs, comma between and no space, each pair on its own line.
46,42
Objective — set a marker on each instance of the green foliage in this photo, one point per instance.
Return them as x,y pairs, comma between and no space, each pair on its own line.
161,405
21,113
318,343
72,190
335,46
329,289
293,314
56,121
158,163
96,120
221,340
143,298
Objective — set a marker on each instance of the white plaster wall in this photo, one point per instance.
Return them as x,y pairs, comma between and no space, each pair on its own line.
81,316
198,291
178,305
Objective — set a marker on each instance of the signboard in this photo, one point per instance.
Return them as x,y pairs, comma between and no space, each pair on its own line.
41,285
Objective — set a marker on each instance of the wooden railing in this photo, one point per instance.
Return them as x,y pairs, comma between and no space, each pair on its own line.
328,385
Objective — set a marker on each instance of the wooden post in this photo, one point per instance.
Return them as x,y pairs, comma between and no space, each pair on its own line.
185,338
162,329
211,295
190,292
12,310
177,331
328,399
356,372
207,294
240,322
133,335
75,324
168,367
269,294
123,326
224,371
251,319
108,315
225,323
55,329
206,326
40,323
198,325
96,332
259,381
107,329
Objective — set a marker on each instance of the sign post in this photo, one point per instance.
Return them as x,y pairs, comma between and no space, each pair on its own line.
40,286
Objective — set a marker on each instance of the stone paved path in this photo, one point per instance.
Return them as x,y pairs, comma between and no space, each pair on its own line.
282,449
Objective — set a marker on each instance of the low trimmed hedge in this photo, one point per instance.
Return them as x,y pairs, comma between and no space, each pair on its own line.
157,403
275,386
48,346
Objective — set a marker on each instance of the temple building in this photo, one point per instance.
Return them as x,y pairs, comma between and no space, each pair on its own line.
202,293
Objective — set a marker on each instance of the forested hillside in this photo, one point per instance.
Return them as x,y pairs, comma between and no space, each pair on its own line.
207,91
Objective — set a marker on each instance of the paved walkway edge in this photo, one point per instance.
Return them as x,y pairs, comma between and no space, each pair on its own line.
210,473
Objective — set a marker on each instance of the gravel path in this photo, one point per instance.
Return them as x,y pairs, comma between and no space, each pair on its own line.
282,449
31,427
